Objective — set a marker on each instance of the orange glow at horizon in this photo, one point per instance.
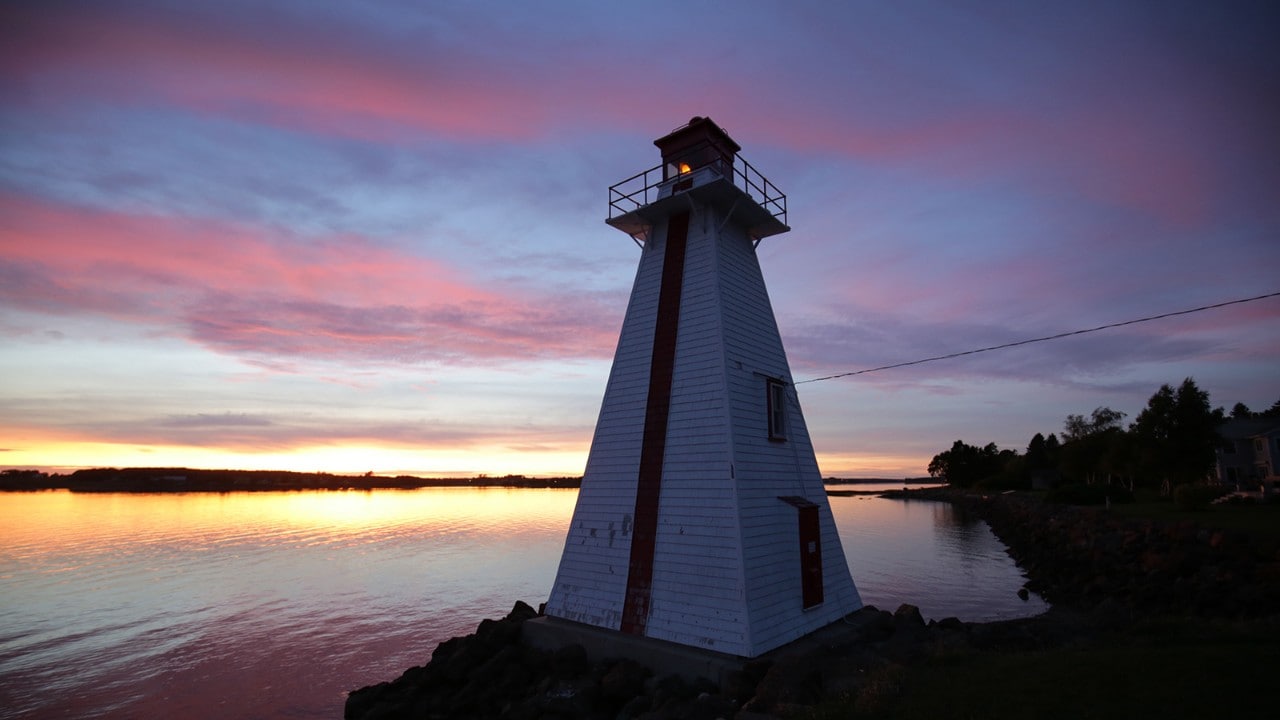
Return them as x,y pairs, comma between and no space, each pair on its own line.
64,456
847,465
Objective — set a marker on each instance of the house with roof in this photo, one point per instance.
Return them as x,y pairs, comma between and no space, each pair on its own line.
1249,455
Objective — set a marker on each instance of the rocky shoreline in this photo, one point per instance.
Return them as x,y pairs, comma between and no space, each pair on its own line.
491,674
1100,572
1090,559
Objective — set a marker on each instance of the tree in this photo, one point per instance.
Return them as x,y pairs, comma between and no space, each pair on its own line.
965,465
1177,433
1093,448
1241,412
1077,427
1037,456
1051,447
1039,465
1271,412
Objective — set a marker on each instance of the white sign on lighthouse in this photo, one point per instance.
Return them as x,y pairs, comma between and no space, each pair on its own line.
702,518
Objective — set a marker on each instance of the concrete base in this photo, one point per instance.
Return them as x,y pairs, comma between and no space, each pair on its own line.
668,658
660,656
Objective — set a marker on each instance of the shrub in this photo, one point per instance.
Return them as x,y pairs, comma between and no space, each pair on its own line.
1120,494
1088,494
1005,481
1196,496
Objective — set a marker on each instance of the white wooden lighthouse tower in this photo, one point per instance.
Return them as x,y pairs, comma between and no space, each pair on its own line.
702,518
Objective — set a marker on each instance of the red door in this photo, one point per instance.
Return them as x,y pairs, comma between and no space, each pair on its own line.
810,556
810,550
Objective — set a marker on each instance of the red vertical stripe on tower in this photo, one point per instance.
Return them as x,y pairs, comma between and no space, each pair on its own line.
635,608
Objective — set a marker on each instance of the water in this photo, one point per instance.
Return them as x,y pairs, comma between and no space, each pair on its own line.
269,605
932,555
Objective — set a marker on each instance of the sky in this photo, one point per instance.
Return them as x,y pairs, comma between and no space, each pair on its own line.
369,237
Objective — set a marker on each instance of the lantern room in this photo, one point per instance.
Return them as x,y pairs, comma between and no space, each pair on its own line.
701,143
699,158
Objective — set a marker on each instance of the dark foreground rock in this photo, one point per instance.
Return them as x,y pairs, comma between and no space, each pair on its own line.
491,674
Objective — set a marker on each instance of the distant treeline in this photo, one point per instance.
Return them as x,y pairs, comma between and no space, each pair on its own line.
192,480
1174,441
879,481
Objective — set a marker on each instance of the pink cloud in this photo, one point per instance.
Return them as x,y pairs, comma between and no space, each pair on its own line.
1141,134
296,77
344,81
246,291
1108,152
173,253
505,330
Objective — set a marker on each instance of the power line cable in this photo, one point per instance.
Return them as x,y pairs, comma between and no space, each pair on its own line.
1042,339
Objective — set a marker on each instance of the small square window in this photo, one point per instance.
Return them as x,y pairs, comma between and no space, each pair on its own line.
777,401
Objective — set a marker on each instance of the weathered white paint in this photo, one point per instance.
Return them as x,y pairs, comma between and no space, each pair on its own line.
726,563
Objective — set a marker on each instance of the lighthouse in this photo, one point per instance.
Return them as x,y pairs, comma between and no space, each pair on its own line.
702,519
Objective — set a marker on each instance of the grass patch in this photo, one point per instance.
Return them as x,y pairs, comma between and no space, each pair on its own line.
1187,669
1262,521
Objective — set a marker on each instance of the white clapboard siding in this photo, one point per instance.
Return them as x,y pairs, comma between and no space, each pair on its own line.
592,577
726,564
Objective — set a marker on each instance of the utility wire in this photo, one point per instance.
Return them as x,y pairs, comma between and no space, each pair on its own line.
1042,339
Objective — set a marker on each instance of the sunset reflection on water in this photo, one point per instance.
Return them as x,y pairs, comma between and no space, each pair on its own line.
116,604
62,522
205,605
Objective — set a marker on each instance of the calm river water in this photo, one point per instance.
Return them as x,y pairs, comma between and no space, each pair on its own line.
274,605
